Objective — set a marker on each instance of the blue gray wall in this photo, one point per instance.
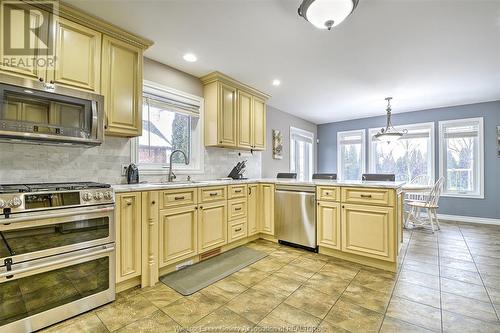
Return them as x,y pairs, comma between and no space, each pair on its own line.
489,207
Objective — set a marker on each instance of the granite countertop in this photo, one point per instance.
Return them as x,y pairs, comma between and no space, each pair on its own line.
201,183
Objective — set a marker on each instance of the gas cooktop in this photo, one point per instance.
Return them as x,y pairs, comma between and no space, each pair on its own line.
50,187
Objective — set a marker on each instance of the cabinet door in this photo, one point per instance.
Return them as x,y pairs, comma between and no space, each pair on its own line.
267,204
227,121
328,219
178,231
253,215
78,56
368,231
259,124
128,236
33,63
212,226
245,120
121,85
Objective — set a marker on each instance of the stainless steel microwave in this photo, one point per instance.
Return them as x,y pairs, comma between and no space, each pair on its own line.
32,111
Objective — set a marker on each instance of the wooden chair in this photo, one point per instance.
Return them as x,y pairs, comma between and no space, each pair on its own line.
430,204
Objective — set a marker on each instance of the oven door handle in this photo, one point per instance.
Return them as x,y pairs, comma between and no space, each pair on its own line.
54,261
51,215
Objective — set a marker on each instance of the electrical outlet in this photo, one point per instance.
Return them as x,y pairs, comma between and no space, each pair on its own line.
124,169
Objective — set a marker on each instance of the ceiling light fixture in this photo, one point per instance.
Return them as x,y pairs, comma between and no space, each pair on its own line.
389,133
276,82
326,14
189,57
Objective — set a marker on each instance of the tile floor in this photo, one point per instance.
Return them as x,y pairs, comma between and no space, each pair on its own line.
447,282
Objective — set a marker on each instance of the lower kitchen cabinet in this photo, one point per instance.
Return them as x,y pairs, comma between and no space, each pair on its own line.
212,225
178,228
328,224
267,208
128,236
253,215
369,231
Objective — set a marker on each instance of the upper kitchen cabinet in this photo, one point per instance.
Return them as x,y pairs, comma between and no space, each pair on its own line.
78,56
15,64
87,54
235,113
122,87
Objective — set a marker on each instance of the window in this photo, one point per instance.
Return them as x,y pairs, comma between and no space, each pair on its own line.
409,157
301,153
461,145
351,155
170,120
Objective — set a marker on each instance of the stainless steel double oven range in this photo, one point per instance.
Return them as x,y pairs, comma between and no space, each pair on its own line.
57,252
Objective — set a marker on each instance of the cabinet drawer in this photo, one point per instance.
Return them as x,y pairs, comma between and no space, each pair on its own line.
236,209
213,193
328,193
237,191
237,230
369,196
178,197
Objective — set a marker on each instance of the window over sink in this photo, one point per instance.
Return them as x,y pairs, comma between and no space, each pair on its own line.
170,120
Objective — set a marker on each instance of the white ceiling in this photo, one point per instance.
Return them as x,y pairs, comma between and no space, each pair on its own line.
425,53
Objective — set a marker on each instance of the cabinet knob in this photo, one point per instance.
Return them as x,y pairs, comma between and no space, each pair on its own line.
40,79
318,203
51,82
129,203
201,207
153,202
220,141
343,206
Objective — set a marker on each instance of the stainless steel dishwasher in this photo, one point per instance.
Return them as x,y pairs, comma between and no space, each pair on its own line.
295,215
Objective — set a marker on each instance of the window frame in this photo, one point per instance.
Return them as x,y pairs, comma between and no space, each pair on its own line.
339,151
305,133
431,146
196,165
480,157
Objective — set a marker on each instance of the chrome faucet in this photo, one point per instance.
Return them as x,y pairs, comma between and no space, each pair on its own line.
171,175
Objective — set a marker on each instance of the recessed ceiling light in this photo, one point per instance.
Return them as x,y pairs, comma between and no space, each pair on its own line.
189,57
276,82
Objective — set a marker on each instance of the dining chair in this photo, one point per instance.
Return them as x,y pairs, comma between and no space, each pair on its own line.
326,176
431,204
286,175
380,177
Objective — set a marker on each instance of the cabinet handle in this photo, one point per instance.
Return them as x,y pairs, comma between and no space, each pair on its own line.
40,79
327,193
129,203
179,198
249,191
51,82
220,141
237,191
238,208
213,194
239,229
366,195
106,122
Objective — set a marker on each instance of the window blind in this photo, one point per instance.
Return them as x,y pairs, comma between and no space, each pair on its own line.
171,105
461,131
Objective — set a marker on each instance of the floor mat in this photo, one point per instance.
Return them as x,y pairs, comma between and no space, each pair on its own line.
198,276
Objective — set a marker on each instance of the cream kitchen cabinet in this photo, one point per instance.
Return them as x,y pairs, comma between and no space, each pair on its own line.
78,56
15,64
235,114
328,217
212,225
178,230
121,85
253,215
369,231
128,236
266,193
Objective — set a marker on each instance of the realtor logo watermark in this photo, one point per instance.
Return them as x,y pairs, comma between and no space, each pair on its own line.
27,33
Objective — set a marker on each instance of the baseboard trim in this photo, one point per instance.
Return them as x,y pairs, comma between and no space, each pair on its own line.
469,219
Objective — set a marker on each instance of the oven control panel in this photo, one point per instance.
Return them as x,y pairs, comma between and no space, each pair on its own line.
34,201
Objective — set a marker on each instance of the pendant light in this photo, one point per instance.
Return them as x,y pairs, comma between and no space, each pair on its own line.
389,133
326,14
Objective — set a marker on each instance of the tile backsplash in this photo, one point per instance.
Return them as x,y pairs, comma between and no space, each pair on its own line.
26,163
